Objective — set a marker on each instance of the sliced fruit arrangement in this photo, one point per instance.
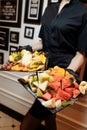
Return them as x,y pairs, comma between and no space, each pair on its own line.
25,61
55,87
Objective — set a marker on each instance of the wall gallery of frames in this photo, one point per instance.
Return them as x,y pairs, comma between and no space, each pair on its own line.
20,23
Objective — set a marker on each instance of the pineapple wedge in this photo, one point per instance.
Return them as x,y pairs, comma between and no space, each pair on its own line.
49,104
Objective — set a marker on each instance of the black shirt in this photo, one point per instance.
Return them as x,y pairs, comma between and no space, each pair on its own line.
64,33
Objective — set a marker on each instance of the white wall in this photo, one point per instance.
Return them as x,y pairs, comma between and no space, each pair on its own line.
12,94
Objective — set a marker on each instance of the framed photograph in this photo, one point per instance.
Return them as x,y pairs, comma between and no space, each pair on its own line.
10,13
29,32
1,58
4,38
33,11
14,37
12,49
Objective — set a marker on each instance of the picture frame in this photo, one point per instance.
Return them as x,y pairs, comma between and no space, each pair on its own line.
1,58
14,37
29,32
4,38
33,11
10,13
12,49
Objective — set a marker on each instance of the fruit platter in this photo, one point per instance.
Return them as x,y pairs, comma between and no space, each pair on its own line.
25,61
55,88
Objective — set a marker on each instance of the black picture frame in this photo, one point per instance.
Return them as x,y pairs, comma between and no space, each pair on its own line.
12,49
10,13
1,58
33,11
14,37
4,38
29,32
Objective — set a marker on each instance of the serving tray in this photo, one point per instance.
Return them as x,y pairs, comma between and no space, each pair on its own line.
54,110
25,61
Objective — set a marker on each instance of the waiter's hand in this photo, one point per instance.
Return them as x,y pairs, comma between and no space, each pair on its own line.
74,74
27,47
